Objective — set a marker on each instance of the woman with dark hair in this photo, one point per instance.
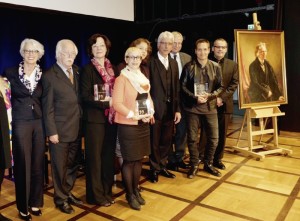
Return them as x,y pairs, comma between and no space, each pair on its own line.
28,139
98,116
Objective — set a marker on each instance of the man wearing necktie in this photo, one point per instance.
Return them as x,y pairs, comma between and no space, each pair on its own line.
62,114
175,159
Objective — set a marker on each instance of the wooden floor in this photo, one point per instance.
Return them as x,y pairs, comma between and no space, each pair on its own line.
248,190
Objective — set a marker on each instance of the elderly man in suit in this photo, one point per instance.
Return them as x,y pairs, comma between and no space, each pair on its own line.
230,79
165,94
62,113
175,159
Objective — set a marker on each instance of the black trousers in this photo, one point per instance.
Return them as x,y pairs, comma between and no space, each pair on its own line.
161,140
223,121
209,124
28,154
65,157
100,145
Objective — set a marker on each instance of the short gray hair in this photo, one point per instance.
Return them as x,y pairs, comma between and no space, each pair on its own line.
37,46
165,35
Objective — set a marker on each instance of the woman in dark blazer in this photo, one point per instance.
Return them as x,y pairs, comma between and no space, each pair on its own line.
28,140
99,128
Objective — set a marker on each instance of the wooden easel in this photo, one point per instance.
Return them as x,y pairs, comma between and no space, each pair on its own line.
259,151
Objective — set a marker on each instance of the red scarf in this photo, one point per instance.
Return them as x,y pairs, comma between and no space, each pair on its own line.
108,76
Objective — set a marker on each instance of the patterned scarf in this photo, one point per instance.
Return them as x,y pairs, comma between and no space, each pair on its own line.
27,83
108,76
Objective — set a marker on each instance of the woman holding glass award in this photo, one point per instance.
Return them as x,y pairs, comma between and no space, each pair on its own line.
97,81
134,109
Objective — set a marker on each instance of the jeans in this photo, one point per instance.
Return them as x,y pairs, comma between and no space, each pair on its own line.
209,123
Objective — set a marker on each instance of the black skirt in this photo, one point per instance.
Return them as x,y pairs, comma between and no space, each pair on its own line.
134,141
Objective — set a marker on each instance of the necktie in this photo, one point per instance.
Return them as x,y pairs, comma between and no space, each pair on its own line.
70,75
166,64
175,56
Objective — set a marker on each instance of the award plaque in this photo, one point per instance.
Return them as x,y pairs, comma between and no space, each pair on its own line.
101,91
143,106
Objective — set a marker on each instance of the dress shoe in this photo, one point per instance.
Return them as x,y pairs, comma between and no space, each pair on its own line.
74,200
110,200
25,217
153,176
172,166
192,172
183,165
35,212
139,197
164,172
210,169
219,164
66,208
132,201
3,218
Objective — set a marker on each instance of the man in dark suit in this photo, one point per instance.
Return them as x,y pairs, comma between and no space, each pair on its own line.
165,94
175,159
230,78
62,113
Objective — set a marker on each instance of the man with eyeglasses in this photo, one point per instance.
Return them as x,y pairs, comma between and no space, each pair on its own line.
165,95
175,159
230,79
62,113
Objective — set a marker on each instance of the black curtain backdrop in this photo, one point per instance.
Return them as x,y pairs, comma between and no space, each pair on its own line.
48,27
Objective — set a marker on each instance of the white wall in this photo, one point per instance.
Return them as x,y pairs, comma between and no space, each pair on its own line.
117,9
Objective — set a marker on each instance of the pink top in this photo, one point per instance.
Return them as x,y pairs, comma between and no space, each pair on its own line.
124,97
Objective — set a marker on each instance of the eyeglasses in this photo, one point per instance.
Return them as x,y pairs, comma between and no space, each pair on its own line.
31,51
68,54
134,57
166,43
220,47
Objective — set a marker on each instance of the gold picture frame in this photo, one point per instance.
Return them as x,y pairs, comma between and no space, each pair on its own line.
262,72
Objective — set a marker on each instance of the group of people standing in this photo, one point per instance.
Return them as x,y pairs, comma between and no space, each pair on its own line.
145,98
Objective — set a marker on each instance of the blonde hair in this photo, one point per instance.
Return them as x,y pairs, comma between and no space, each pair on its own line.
131,50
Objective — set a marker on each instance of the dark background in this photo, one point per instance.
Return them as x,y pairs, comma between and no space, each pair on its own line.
193,18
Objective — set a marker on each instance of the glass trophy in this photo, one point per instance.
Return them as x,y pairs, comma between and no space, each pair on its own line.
200,89
143,106
101,91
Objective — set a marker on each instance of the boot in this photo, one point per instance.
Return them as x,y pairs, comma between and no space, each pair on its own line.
132,201
139,197
192,172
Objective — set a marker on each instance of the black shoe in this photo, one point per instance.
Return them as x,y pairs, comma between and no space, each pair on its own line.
210,169
110,200
164,172
139,197
183,165
74,200
132,201
25,217
3,218
66,208
192,172
153,176
219,164
35,212
172,166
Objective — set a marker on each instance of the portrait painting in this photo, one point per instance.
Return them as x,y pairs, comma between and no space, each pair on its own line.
262,73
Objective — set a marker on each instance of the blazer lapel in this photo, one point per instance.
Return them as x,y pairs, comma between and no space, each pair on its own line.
62,76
